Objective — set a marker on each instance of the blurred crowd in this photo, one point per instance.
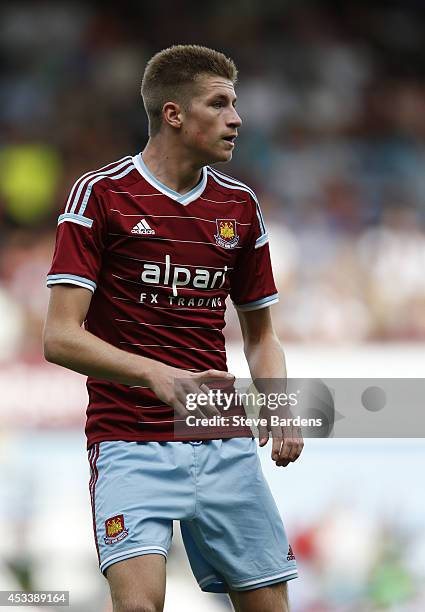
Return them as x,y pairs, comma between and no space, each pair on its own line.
352,562
332,97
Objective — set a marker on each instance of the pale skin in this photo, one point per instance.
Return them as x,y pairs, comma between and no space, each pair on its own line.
188,140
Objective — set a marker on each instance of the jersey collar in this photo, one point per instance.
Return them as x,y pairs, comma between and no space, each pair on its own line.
185,198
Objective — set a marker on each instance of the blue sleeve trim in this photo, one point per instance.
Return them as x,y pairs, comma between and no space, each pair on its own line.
74,218
261,218
261,241
267,301
71,279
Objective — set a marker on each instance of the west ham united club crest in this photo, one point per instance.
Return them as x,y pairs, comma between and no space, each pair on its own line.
227,234
115,529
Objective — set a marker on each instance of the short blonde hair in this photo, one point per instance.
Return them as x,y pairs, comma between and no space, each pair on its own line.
171,75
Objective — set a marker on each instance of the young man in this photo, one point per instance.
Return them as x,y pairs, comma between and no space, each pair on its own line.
147,250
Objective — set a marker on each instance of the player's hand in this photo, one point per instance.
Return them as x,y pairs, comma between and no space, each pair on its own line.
172,386
287,441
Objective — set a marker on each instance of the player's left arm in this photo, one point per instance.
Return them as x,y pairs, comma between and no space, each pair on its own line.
266,360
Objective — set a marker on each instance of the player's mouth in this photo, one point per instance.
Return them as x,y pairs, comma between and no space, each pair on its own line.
230,139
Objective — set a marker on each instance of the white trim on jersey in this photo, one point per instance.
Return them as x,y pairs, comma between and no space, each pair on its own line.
115,297
261,241
160,421
174,216
136,195
138,387
184,348
172,326
228,185
153,405
177,264
185,198
71,279
232,183
78,219
99,178
180,287
230,179
92,173
226,202
170,239
257,304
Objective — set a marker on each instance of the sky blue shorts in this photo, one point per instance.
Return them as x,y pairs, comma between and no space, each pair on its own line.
231,527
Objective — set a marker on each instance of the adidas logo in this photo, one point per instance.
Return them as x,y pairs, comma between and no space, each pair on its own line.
290,555
142,228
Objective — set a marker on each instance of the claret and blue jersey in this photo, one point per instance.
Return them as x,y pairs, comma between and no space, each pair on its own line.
160,265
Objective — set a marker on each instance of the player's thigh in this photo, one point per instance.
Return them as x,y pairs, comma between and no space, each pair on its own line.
138,584
273,598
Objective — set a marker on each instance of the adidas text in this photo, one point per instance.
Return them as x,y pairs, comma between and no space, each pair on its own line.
142,227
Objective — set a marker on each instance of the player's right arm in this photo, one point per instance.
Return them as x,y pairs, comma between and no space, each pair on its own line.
68,344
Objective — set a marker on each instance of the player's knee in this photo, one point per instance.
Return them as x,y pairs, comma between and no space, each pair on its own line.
133,605
272,598
273,606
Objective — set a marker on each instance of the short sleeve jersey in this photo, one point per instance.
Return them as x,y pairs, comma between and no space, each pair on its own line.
160,266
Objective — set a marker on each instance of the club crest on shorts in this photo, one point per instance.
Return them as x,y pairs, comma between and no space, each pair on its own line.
115,529
227,233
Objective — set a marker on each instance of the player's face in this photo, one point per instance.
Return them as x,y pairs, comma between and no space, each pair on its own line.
210,126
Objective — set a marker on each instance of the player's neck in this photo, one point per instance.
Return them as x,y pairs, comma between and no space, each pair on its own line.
170,166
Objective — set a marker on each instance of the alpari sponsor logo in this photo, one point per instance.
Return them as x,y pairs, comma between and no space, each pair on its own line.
179,276
142,227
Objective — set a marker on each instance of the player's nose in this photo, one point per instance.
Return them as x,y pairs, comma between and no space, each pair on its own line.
235,120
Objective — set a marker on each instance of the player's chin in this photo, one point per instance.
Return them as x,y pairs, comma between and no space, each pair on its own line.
224,155
219,154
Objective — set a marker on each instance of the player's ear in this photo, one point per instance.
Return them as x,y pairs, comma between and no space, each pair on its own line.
172,114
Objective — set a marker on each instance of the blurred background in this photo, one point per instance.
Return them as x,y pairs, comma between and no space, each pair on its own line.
332,96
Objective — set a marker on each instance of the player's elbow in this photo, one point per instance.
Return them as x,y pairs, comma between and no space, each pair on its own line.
254,343
53,345
49,348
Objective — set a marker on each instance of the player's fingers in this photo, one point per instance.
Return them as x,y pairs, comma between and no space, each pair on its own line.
214,375
210,408
287,447
298,448
181,401
263,435
296,444
294,451
186,391
301,446
180,410
277,443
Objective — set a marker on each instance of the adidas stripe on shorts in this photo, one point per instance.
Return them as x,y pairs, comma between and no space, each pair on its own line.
231,528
